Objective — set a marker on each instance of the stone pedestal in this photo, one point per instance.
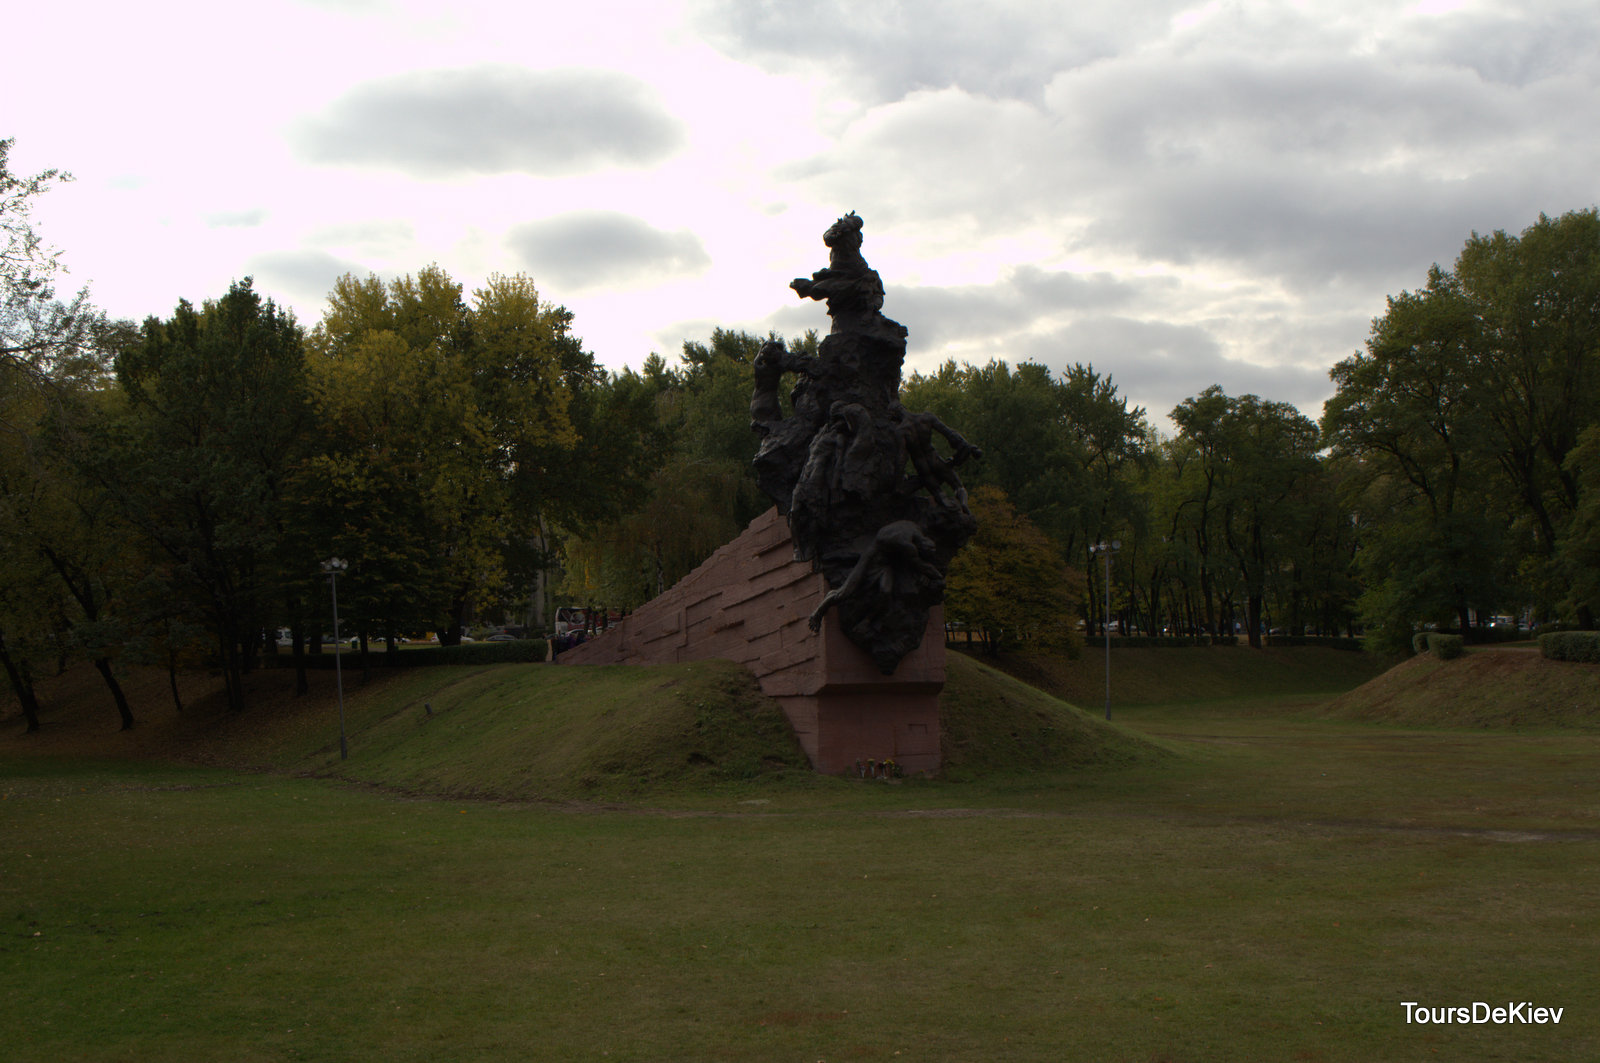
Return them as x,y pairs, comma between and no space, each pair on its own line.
749,602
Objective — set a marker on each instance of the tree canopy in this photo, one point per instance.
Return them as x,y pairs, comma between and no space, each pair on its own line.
171,489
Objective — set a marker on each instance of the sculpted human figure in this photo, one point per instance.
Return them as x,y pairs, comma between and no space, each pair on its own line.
934,472
771,362
818,487
837,464
898,548
848,278
765,410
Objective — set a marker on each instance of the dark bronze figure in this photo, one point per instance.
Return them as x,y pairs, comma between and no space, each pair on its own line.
871,502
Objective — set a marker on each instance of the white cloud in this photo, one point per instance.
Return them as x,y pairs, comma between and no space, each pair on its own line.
305,276
588,249
493,119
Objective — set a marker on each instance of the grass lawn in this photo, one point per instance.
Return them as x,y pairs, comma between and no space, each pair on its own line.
1271,885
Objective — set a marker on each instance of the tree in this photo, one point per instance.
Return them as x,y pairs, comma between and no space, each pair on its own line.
699,485
216,417
1009,582
1063,450
1018,417
56,521
450,437
1407,432
1255,457
59,563
41,338
1458,422
1536,374
1580,549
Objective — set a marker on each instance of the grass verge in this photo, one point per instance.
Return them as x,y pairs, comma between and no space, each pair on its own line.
1228,908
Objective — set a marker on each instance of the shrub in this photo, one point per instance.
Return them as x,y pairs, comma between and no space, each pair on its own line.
1419,641
1582,646
1446,647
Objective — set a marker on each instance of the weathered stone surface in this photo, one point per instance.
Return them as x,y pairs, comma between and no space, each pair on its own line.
841,705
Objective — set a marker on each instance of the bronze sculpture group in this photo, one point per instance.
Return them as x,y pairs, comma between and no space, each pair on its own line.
870,500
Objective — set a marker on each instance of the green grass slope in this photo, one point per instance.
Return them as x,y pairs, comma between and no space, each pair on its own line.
1200,673
533,732
1489,687
542,732
620,732
995,723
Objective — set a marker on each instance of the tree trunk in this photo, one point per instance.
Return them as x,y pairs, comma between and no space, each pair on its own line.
1252,619
172,680
103,666
22,686
232,673
297,639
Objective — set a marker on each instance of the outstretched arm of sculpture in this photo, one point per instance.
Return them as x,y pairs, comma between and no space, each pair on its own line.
960,449
769,367
901,544
933,471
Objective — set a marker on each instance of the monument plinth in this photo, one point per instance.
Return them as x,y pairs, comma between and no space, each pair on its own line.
752,602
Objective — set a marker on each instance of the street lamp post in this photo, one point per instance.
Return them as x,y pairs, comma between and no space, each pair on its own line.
333,566
1106,549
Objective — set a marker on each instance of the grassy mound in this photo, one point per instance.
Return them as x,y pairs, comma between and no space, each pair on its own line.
526,732
1488,687
546,732
511,731
1163,676
994,723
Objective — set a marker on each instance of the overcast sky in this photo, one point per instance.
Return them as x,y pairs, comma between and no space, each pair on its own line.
1178,194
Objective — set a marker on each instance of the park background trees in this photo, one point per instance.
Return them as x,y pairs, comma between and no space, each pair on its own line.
170,489
1459,429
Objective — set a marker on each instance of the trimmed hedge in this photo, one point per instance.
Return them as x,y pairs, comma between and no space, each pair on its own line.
1446,647
1159,642
1419,642
1581,646
1332,642
522,651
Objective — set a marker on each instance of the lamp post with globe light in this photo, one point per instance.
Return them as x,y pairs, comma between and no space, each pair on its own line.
333,566
1106,549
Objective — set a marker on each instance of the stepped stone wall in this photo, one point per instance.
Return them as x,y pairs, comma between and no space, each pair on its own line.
750,602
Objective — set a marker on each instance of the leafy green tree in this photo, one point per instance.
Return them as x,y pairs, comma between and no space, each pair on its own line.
216,415
62,560
26,583
450,442
1019,418
1066,450
1536,374
69,527
700,489
1458,421
1580,548
1408,434
1255,457
1009,582
42,339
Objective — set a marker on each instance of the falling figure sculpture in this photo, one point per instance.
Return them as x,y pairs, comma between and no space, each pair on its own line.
836,465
